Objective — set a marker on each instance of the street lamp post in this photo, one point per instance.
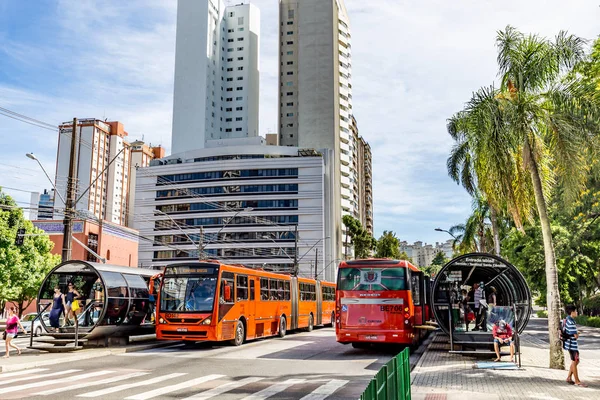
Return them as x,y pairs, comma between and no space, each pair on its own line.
443,230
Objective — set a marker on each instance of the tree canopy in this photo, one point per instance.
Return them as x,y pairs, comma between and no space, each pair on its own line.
361,239
388,246
22,268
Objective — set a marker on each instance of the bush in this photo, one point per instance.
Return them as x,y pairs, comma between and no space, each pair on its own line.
542,314
588,321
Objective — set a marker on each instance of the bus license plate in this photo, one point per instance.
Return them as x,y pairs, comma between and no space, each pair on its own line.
371,337
181,329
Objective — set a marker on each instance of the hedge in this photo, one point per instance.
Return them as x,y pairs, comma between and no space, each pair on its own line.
588,321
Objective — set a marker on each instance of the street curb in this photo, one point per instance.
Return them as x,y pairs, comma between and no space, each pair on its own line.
86,355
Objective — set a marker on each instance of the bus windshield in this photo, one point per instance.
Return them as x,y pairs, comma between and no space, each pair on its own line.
188,293
378,279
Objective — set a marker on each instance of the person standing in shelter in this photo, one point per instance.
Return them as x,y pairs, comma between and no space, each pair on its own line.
570,336
58,307
12,328
477,297
70,308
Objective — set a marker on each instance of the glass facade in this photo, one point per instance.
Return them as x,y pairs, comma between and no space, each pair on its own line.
219,221
230,174
219,190
230,205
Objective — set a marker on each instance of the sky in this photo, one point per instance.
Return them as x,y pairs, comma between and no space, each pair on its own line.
414,64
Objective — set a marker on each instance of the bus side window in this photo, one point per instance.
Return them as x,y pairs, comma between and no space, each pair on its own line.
272,289
287,290
264,289
242,288
251,289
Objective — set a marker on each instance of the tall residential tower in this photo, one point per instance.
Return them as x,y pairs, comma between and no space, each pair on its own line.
216,85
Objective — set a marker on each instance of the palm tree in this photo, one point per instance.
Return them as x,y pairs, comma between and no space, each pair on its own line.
475,234
539,127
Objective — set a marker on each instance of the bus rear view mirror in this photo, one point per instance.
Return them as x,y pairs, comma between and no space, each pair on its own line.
227,293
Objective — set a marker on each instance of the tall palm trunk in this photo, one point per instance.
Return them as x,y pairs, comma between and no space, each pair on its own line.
495,230
557,360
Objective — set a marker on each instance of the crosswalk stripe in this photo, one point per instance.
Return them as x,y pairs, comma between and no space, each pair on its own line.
223,388
132,385
47,382
325,390
26,378
274,389
92,383
173,388
24,372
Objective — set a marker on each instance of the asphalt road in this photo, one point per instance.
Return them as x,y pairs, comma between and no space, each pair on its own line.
308,366
537,328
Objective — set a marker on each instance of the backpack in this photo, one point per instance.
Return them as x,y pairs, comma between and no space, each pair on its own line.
564,336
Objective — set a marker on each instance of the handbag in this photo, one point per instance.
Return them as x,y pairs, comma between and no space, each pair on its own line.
75,305
4,335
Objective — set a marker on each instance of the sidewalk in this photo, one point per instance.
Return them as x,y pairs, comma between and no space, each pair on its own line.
440,375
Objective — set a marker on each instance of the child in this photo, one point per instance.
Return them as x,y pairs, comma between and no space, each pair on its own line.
570,335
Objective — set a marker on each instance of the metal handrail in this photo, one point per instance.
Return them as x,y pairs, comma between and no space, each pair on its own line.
33,322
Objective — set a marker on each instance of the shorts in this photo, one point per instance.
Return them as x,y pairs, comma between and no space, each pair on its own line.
10,335
500,343
574,355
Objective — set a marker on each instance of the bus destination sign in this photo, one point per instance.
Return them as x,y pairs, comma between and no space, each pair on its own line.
188,269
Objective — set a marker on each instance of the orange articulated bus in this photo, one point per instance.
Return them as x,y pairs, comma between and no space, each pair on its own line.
211,301
380,301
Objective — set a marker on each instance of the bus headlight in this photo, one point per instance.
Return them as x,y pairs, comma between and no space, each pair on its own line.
206,321
161,321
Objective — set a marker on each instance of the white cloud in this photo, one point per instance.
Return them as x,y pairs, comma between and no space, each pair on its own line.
414,64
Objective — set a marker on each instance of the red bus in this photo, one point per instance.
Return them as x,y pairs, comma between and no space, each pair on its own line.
380,301
211,301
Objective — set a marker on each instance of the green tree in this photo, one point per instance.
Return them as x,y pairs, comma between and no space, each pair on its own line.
22,268
388,246
360,238
541,124
436,264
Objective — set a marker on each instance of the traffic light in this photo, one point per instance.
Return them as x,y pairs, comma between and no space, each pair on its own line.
20,237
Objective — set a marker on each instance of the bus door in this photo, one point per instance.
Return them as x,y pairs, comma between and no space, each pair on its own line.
418,294
295,297
319,295
425,298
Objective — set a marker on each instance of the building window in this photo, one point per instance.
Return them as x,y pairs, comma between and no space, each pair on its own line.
229,40
231,14
240,39
290,63
240,68
289,83
239,118
290,42
290,125
239,108
228,130
241,29
290,73
239,88
229,59
229,79
228,119
229,69
230,30
289,104
229,89
240,48
238,129
290,14
240,78
289,115
228,109
290,32
229,50
239,98
240,58
229,99
290,93
290,53
291,135
290,22
240,20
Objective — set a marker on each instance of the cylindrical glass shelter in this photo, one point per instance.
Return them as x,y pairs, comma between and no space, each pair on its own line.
455,286
114,299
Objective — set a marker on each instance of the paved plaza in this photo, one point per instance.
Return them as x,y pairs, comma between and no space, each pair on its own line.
440,375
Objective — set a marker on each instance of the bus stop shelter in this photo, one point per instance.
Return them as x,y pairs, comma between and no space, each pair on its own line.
114,299
493,274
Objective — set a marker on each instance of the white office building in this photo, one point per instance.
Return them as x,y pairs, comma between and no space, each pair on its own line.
261,206
216,84
315,88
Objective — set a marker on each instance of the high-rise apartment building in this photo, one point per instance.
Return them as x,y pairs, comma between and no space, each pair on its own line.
98,143
315,88
216,73
363,178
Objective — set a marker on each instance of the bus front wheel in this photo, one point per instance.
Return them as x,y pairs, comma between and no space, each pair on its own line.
282,326
239,334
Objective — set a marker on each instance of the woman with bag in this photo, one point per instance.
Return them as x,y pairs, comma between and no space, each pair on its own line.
58,307
72,303
12,328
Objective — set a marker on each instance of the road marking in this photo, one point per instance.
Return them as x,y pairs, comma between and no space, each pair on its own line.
274,389
25,372
26,378
273,346
173,388
92,383
223,388
47,382
325,390
132,385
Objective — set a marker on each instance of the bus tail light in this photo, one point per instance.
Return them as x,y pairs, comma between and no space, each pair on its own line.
206,321
406,315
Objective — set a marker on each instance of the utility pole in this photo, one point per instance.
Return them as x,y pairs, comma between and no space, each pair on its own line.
69,205
296,251
201,244
316,261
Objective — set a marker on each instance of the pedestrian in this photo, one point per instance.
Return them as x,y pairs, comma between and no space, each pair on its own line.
477,297
570,335
71,305
466,309
12,328
58,307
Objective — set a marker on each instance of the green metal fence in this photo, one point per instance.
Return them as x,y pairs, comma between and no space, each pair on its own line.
392,382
